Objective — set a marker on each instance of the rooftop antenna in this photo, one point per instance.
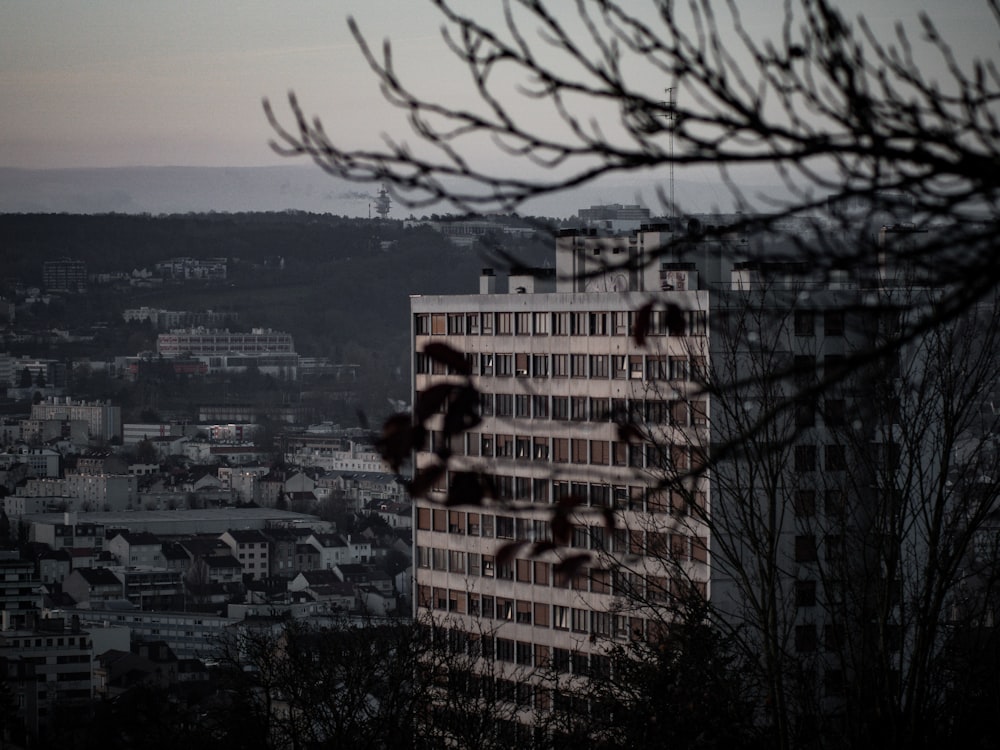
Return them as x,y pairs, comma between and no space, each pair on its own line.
672,117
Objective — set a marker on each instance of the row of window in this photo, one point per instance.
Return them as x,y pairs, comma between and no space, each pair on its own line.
538,614
650,367
673,457
538,655
598,495
652,411
545,323
661,545
834,322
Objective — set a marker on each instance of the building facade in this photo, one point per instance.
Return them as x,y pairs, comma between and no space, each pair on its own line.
559,372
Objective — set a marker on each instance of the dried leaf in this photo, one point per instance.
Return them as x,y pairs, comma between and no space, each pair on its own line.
425,479
449,357
429,402
643,318
629,432
567,502
463,410
399,439
676,320
570,566
540,547
465,489
562,528
508,552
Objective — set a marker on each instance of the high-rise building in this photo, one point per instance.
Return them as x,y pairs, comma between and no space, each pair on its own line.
559,369
592,394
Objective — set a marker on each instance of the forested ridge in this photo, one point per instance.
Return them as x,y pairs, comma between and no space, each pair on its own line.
340,286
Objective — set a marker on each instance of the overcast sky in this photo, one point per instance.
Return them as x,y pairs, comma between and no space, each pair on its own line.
107,83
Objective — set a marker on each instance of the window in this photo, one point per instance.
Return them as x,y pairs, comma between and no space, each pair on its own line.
504,365
834,412
524,650
540,365
805,548
540,322
505,324
560,324
804,368
560,407
522,323
805,593
578,365
578,408
422,324
521,365
486,364
678,368
505,650
805,412
560,618
504,405
472,324
580,620
540,448
560,365
619,366
833,323
598,324
486,321
697,322
540,407
599,452
835,458
578,324
834,503
805,504
579,448
621,323
600,410
438,326
805,458
805,638
805,323
541,614
456,324
635,366
560,450
522,406
599,367
656,367
505,446
505,527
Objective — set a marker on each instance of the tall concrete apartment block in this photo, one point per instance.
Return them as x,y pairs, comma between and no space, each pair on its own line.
557,366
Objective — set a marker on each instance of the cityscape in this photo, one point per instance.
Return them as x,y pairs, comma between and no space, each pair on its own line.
623,375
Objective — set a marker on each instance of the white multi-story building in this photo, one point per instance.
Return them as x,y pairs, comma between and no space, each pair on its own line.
558,369
197,342
591,391
103,420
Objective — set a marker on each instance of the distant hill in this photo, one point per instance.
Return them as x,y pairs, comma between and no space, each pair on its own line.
164,190
300,187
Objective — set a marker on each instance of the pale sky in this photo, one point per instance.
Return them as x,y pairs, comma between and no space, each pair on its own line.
104,83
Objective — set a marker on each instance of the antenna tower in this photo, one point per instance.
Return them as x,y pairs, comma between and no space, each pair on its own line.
383,203
672,118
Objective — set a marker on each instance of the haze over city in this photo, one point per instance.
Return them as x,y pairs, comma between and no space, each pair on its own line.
115,84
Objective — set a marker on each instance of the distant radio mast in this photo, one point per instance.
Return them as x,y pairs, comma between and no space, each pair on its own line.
383,203
672,118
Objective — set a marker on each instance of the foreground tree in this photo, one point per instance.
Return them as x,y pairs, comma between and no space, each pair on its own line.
844,117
